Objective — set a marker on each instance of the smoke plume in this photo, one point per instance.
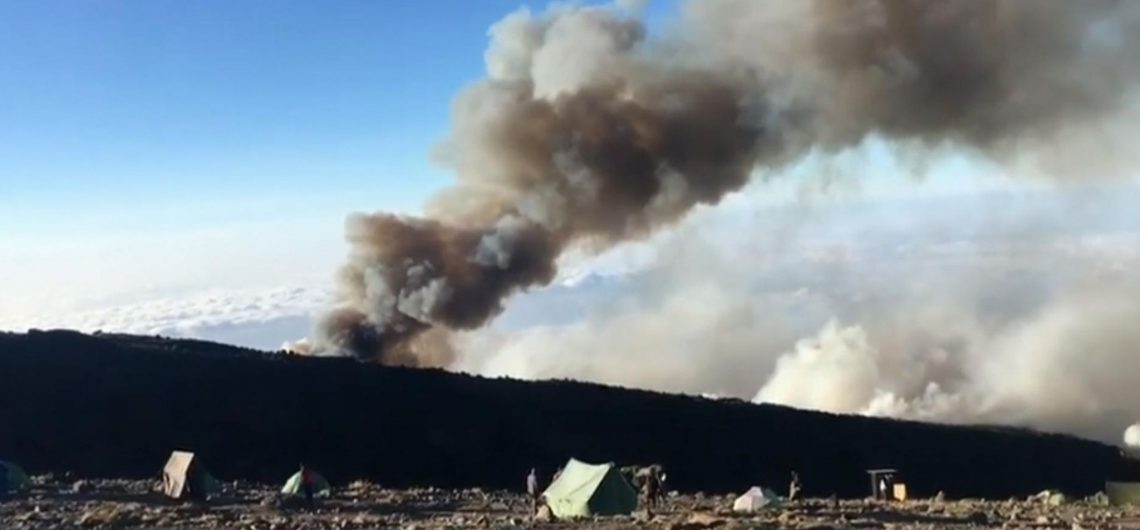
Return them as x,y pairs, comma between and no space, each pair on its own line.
1018,311
589,131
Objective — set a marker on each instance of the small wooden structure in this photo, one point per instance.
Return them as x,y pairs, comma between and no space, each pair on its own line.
894,488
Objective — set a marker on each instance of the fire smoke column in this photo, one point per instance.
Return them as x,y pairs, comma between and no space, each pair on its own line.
586,131
575,136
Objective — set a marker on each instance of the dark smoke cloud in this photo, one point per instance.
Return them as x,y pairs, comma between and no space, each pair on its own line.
984,74
588,132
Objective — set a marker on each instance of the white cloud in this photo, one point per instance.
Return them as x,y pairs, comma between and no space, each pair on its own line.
254,318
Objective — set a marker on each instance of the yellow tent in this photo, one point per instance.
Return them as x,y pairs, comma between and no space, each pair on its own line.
183,476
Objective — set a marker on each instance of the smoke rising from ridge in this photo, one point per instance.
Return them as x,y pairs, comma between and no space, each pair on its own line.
588,132
961,311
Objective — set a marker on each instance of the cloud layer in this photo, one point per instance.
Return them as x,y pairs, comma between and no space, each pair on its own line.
254,318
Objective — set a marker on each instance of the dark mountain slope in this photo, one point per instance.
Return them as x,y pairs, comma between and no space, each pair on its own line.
114,405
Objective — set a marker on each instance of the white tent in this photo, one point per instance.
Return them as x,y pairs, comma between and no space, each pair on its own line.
754,499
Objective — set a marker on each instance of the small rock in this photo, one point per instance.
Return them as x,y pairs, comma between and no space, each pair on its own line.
704,520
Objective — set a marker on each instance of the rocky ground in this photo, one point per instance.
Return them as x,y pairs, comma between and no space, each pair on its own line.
65,504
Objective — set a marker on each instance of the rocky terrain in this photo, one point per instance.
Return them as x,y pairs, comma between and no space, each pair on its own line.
57,503
116,405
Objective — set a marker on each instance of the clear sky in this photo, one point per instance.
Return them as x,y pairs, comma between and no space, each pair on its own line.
116,113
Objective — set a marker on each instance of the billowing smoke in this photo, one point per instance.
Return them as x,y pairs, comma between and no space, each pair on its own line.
1066,367
589,131
1015,310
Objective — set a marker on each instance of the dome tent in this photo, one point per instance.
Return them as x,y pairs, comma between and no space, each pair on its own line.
293,486
584,490
754,499
14,478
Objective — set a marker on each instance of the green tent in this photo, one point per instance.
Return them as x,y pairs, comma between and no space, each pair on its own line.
583,490
321,486
17,480
1123,493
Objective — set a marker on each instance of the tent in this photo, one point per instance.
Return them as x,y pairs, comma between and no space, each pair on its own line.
185,477
321,486
1051,498
754,499
1123,493
15,479
583,490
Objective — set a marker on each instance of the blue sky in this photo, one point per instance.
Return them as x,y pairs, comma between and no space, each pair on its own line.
120,114
178,140
138,106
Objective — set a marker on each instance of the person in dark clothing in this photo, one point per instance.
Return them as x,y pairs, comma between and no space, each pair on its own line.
307,488
3,482
650,489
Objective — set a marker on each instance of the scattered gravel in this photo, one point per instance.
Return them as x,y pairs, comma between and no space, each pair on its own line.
124,504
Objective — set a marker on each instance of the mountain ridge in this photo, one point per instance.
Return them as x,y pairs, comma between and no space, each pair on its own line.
114,405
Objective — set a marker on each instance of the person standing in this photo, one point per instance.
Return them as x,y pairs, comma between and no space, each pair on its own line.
794,487
532,488
650,491
307,488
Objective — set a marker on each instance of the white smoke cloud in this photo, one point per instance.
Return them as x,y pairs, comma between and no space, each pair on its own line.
1018,310
1132,436
1067,366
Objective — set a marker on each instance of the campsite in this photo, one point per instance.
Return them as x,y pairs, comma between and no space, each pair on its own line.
233,479
579,495
570,264
56,502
